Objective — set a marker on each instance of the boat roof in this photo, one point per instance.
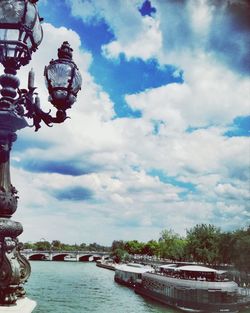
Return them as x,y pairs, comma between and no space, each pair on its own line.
135,265
196,268
166,266
133,268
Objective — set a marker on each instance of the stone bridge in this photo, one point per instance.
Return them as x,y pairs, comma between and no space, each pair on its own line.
77,256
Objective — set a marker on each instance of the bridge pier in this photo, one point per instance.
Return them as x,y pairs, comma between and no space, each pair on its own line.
50,258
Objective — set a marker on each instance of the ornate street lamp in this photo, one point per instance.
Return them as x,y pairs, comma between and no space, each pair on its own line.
20,35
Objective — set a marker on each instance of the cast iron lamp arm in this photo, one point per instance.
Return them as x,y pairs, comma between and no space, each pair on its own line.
63,81
28,105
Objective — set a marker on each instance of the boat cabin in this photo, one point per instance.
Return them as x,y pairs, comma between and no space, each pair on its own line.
129,274
167,269
202,273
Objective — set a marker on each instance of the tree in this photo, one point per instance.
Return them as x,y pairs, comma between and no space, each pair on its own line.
134,247
225,244
152,247
120,255
118,251
203,243
95,247
171,245
56,245
83,246
118,244
241,249
42,245
179,249
29,245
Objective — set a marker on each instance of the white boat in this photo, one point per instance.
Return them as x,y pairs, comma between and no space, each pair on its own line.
129,274
190,288
70,258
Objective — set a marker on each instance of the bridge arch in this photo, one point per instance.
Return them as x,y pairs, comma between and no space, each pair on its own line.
38,257
86,258
59,257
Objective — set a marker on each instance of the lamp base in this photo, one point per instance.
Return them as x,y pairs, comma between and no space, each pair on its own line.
22,306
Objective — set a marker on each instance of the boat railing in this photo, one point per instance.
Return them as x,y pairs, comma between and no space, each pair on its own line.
243,291
197,278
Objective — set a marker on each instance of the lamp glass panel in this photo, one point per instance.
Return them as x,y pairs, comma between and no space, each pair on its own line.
37,31
10,51
77,82
11,11
9,34
31,15
3,34
59,74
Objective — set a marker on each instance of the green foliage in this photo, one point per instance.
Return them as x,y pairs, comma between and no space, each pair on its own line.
171,245
203,243
56,245
29,245
226,241
151,248
42,245
123,250
59,246
241,249
134,247
118,251
120,255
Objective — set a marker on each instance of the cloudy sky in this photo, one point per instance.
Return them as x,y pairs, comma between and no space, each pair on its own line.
159,136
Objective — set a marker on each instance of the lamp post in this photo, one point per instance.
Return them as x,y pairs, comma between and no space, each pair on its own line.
20,35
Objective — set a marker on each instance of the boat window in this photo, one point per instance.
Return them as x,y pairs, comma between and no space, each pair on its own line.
228,297
202,296
214,296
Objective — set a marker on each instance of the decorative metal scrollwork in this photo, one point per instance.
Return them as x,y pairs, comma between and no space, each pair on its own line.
14,271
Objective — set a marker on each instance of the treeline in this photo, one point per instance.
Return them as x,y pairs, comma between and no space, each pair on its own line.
57,245
203,243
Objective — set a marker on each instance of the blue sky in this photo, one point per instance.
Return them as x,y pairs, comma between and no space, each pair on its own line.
159,136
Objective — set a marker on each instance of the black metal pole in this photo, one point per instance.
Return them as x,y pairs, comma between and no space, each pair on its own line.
14,268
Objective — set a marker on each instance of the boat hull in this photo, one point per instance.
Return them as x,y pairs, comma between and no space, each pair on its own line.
120,281
187,305
107,266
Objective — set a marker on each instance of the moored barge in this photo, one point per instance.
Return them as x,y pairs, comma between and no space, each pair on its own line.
195,288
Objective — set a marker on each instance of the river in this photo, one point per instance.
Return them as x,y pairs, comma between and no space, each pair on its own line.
78,287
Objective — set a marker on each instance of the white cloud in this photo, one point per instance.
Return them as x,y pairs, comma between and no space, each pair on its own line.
128,203
211,94
135,36
146,44
200,16
227,190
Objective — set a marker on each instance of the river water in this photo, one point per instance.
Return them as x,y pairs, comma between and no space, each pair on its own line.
78,287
